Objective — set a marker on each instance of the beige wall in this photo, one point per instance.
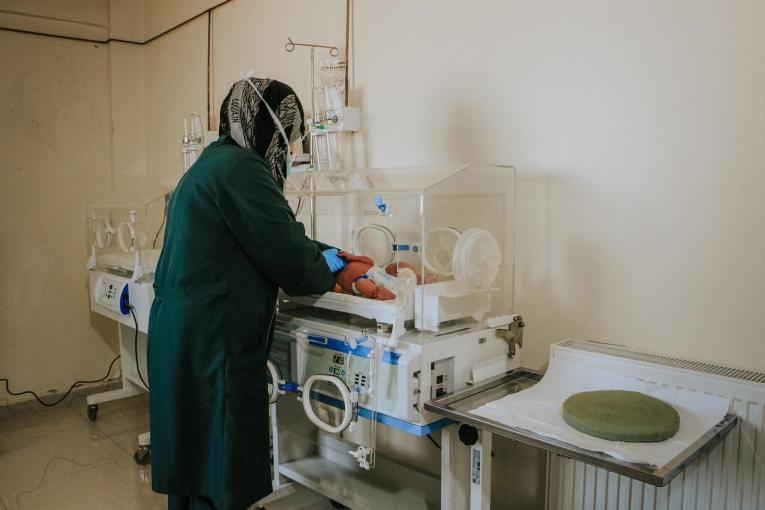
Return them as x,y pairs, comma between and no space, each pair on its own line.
73,128
126,76
126,20
175,85
637,131
176,64
160,15
74,18
55,146
638,134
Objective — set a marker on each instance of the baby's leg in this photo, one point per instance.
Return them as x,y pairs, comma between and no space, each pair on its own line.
369,289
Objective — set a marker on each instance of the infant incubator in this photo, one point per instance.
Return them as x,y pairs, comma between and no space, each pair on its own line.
440,240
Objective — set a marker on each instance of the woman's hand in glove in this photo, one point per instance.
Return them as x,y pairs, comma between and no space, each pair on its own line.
335,263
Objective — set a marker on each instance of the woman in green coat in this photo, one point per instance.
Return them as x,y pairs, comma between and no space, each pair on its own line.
231,242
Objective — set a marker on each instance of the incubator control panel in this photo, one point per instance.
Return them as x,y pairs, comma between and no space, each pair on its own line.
335,357
112,294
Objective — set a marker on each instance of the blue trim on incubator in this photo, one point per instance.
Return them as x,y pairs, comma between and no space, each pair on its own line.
290,386
391,357
405,247
410,428
342,346
125,300
390,421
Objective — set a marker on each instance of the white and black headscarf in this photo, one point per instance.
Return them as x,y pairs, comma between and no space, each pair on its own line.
247,121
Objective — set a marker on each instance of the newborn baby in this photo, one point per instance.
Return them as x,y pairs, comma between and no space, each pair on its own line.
361,277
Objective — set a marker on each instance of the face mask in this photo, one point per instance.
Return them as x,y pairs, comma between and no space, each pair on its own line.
278,125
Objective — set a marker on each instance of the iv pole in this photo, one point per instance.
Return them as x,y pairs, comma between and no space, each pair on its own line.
333,51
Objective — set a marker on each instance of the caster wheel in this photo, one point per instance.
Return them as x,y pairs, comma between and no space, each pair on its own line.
142,455
93,412
335,504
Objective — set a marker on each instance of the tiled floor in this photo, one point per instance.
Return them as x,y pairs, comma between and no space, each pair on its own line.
55,458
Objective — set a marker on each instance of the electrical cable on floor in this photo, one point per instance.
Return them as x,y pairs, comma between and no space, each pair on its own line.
135,348
434,441
61,399
46,473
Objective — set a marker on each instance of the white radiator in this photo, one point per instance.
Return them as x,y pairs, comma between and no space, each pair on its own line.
730,477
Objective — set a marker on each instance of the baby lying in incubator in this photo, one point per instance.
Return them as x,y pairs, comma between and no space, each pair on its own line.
362,278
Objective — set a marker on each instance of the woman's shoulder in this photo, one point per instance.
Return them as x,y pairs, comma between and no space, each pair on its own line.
221,158
225,151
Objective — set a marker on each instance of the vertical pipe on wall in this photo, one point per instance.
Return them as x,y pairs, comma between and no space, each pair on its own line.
209,67
347,46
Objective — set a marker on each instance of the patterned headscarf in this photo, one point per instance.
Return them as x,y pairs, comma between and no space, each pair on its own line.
248,122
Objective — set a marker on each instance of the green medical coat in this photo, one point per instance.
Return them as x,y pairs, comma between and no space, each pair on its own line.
231,241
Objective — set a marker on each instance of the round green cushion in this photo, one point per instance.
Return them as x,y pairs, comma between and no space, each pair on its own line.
620,415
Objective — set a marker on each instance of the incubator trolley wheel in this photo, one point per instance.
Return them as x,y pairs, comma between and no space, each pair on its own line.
142,455
93,412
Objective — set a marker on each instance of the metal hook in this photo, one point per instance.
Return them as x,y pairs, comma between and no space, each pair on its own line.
290,47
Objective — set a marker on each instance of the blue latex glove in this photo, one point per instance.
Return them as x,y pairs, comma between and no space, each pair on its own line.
335,263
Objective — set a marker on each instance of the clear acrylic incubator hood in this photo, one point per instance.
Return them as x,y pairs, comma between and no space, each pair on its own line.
445,232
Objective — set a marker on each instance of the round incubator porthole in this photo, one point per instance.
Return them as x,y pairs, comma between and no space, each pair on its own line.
273,386
376,242
104,232
477,259
125,229
439,250
339,391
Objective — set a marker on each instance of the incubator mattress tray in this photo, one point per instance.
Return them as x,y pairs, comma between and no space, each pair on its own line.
386,312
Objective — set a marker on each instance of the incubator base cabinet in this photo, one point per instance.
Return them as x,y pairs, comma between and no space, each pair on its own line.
327,439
